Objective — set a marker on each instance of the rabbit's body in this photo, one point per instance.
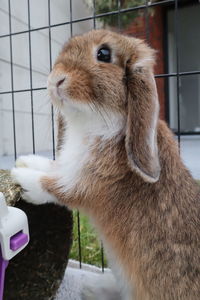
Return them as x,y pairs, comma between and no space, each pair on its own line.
152,229
125,173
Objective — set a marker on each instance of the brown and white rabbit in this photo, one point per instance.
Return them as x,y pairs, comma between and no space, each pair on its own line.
120,165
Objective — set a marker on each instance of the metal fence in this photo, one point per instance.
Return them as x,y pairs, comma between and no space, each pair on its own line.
112,15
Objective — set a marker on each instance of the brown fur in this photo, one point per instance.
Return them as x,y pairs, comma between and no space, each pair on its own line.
61,130
153,228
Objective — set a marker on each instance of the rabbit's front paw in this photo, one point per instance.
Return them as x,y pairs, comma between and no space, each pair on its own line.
35,162
30,181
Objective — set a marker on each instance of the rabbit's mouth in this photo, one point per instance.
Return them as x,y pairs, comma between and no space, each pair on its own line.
62,100
64,96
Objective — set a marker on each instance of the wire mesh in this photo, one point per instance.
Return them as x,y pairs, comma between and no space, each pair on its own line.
118,11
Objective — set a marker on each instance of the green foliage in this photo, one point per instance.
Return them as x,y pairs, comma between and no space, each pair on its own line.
124,19
90,245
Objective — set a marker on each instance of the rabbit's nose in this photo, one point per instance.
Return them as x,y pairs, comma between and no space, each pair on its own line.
60,82
56,80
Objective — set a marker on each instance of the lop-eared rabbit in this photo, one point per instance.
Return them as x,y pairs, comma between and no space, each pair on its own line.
119,164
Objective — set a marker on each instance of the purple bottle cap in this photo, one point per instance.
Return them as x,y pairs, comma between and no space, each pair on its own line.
18,240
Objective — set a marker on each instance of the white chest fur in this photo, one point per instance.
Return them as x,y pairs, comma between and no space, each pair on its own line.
81,132
74,152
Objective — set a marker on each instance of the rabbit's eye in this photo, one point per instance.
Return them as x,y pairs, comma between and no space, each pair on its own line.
104,54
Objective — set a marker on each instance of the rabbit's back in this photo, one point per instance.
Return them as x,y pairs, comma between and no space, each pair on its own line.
153,229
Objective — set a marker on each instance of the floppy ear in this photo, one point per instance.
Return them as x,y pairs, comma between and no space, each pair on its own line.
141,129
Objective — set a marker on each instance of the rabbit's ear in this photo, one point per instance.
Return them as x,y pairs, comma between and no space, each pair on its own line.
141,130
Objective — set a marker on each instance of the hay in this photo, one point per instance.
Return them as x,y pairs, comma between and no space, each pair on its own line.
8,188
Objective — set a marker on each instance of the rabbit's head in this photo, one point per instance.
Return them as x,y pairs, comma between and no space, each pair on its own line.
102,72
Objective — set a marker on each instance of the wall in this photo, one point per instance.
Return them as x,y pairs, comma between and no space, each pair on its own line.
154,35
40,59
189,49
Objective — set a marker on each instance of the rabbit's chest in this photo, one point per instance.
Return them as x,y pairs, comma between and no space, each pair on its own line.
78,143
73,157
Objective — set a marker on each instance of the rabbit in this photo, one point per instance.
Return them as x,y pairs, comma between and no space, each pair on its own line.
119,164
